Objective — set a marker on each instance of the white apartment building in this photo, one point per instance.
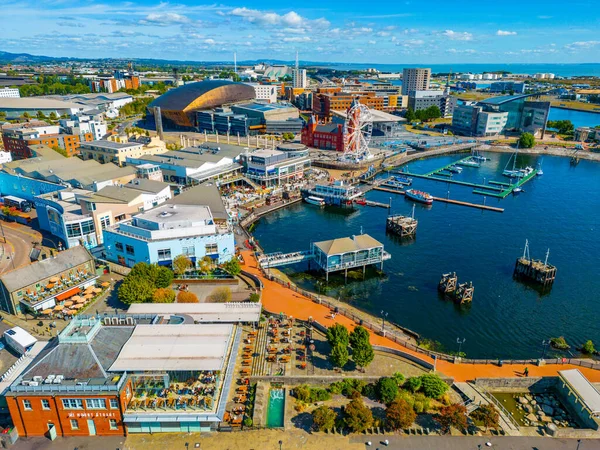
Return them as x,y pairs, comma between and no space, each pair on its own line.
10,93
299,79
85,124
415,80
265,92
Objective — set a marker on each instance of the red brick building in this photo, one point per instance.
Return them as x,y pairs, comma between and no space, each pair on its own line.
326,100
326,137
18,141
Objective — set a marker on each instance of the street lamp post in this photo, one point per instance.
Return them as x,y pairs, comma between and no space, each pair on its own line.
460,342
383,316
545,344
280,444
578,443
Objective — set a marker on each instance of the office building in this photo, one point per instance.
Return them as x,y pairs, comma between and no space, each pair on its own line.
105,151
18,141
420,100
161,234
265,92
508,86
415,80
299,79
326,100
9,93
85,124
497,115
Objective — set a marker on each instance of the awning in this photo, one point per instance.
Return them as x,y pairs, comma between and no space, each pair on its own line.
68,294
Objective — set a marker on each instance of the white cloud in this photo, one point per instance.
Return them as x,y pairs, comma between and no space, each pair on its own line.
505,33
297,39
291,19
210,41
164,19
383,33
582,44
457,35
412,42
372,42
544,17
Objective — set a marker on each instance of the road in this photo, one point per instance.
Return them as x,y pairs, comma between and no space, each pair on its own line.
15,251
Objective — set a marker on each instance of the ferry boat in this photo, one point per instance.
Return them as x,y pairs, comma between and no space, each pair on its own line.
337,193
419,196
318,201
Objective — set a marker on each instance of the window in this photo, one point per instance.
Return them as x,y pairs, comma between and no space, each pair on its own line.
45,404
119,246
114,403
72,403
27,405
74,424
91,206
211,249
95,403
129,249
113,424
73,230
164,254
105,222
87,227
189,251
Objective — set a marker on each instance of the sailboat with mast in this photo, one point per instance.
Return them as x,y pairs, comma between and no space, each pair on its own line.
512,173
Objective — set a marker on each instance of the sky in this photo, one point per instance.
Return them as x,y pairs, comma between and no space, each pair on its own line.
384,31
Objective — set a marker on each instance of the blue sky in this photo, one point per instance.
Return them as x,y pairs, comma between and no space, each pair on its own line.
384,31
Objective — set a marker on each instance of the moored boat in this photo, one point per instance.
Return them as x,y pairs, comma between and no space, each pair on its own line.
419,196
468,163
318,201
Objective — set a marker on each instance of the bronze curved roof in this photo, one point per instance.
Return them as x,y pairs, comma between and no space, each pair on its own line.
203,95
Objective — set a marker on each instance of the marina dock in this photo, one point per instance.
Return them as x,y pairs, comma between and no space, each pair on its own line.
403,226
535,270
444,200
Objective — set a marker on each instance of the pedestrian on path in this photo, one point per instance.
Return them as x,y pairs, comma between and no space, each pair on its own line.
526,372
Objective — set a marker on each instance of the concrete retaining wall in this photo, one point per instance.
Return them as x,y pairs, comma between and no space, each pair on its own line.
532,384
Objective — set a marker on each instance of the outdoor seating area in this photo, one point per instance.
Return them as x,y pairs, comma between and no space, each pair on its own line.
73,301
285,344
197,393
241,397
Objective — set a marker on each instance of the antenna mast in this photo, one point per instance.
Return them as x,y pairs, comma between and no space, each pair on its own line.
547,254
235,63
297,63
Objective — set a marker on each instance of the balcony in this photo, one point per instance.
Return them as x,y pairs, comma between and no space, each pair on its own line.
56,286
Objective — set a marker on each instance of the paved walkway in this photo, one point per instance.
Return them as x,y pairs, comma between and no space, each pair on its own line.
277,298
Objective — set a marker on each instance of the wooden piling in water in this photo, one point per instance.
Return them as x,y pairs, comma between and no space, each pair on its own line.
403,226
535,270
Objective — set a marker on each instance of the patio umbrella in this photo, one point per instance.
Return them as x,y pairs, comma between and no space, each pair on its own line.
59,308
97,290
76,298
69,312
54,280
49,286
89,290
81,300
68,303
78,306
47,312
105,284
88,296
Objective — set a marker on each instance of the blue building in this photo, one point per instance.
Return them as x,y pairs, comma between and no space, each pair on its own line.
163,233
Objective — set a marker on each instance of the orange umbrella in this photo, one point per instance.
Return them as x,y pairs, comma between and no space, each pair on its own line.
49,286
105,284
47,312
68,303
59,308
69,312
78,306
97,290
54,280
81,300
88,296
76,298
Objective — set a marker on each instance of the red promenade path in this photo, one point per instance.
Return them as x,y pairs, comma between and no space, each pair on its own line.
277,298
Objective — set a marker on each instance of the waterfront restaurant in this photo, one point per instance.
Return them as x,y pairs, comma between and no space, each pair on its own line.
48,283
349,253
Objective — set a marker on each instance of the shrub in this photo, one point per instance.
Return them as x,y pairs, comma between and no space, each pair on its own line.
221,295
399,378
163,295
135,290
413,384
387,390
454,415
588,348
248,422
421,403
527,140
357,416
559,343
323,418
232,267
370,391
406,396
400,415
308,394
181,263
187,297
488,415
254,297
433,386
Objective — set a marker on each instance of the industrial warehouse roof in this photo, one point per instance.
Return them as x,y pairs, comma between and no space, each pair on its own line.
231,312
36,103
39,270
204,194
175,348
345,245
203,95
378,116
585,390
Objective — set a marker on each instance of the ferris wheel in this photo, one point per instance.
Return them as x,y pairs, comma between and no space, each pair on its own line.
357,133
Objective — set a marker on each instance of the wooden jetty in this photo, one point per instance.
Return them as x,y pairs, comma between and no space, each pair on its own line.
464,293
403,226
447,284
535,270
443,200
459,293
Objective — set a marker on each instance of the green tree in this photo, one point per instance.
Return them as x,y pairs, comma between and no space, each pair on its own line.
25,115
413,384
588,348
358,336
337,334
53,116
339,355
254,297
357,416
398,378
163,295
323,418
454,415
232,267
527,140
40,115
562,126
488,415
433,386
135,290
60,151
181,264
410,115
205,264
2,116
164,277
362,350
400,415
387,390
